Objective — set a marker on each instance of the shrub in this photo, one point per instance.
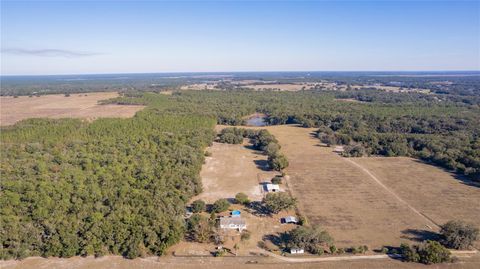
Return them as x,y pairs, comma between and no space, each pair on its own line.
242,198
427,253
220,205
246,234
433,252
198,206
199,228
277,162
312,240
459,234
408,253
333,249
276,202
277,180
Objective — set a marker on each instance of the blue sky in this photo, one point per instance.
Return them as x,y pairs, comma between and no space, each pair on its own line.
67,37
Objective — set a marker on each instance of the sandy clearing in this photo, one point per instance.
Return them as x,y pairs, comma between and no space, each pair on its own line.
232,169
84,105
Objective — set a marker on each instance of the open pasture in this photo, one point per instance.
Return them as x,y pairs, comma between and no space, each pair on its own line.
83,105
400,200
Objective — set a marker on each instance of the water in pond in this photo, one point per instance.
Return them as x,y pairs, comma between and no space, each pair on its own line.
257,120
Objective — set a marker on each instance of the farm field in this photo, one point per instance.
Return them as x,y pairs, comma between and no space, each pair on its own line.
433,191
57,106
341,197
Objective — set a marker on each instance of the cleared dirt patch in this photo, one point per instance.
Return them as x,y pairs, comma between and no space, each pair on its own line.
108,262
232,169
83,105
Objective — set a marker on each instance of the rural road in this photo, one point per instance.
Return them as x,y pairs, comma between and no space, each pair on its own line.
432,225
457,253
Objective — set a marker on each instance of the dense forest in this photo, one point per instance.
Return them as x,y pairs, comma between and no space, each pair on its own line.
120,186
112,186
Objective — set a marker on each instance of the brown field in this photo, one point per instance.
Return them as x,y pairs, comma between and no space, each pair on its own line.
232,169
281,87
433,191
57,106
358,209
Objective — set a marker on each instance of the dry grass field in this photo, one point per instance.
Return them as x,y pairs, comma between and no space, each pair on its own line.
83,105
433,191
232,169
358,209
281,87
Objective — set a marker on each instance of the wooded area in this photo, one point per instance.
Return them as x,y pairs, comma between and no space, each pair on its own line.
120,185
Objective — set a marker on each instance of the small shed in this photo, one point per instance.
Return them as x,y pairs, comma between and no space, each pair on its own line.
272,187
236,213
290,219
233,223
297,251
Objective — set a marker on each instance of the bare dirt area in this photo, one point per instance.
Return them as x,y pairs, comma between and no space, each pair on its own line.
355,208
166,262
232,169
84,105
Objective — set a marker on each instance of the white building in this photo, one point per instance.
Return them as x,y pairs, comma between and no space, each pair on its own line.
290,219
297,251
269,187
237,223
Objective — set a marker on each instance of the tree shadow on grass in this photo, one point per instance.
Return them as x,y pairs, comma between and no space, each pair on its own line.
256,208
276,239
420,235
262,165
462,178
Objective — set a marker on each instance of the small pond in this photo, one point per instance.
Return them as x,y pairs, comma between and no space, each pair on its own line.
257,120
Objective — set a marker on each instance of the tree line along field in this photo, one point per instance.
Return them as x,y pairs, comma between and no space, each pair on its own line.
120,186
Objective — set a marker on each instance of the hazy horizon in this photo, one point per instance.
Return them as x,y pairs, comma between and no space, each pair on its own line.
110,37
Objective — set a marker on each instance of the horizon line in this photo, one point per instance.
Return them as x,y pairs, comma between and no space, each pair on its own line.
266,71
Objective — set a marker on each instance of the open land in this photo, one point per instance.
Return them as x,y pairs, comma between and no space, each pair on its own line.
232,169
360,201
337,194
222,262
59,106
